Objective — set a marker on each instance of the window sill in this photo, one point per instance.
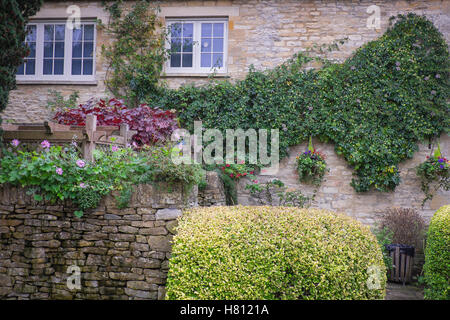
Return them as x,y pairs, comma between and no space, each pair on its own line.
195,75
60,82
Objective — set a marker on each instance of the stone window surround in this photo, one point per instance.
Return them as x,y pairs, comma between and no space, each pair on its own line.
67,78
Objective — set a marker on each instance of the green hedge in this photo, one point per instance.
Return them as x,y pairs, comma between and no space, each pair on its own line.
272,253
437,256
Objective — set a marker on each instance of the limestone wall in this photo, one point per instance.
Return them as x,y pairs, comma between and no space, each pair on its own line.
121,253
335,192
262,33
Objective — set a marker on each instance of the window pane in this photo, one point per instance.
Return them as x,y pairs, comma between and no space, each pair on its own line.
48,66
218,45
187,45
206,60
21,69
206,45
218,60
76,49
88,50
87,66
218,30
187,60
175,45
59,66
77,35
48,49
175,60
59,49
175,30
30,66
188,30
31,36
76,66
60,29
48,32
32,47
206,29
88,32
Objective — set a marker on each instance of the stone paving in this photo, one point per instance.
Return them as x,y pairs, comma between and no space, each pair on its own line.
397,291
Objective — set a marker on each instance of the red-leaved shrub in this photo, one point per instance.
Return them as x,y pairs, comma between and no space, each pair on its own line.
152,125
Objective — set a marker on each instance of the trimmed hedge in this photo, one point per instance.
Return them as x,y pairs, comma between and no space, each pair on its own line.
272,253
437,256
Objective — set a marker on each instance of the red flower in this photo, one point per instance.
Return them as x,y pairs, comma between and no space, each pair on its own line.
251,172
227,165
231,175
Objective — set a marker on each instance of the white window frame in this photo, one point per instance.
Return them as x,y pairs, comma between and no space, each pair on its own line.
68,36
196,51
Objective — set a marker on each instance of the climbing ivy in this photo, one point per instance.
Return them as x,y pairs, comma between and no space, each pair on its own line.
375,107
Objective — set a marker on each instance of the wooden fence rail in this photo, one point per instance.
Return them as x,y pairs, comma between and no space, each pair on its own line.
89,136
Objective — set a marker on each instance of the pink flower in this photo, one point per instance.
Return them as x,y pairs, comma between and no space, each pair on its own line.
15,142
45,144
82,185
59,171
81,163
114,148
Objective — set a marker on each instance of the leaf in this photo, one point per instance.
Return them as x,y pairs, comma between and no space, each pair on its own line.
78,213
37,197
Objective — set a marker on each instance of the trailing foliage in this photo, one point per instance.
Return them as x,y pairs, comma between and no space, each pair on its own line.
135,60
13,19
436,170
152,125
57,172
437,256
273,253
374,107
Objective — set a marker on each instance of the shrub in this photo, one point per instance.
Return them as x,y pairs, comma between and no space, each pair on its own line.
152,125
57,172
273,253
437,256
375,107
14,16
405,224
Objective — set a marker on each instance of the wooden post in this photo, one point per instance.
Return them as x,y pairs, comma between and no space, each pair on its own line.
89,143
124,133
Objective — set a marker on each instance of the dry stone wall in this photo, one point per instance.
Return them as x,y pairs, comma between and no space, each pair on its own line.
121,253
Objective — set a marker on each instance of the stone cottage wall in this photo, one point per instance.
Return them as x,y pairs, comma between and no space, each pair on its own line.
335,192
262,33
121,253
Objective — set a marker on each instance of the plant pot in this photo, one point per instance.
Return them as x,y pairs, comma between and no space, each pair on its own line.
402,262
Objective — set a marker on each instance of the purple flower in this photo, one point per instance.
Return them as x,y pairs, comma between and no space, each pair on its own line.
426,78
114,148
59,171
81,163
82,185
433,92
398,64
441,160
442,166
310,108
438,76
45,144
352,67
397,68
15,142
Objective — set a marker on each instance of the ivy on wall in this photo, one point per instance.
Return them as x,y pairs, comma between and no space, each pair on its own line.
374,107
